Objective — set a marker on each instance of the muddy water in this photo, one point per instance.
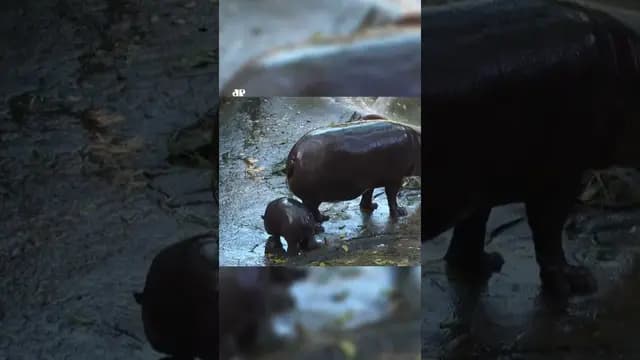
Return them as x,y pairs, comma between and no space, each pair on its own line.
104,115
350,305
508,318
255,138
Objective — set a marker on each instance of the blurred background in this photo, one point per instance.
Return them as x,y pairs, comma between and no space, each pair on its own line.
249,28
322,313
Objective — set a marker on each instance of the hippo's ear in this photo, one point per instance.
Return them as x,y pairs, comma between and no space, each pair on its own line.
262,217
138,297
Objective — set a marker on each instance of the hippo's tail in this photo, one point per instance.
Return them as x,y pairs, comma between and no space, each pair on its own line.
138,296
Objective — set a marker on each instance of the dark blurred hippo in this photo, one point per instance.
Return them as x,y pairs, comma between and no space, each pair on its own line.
180,300
512,121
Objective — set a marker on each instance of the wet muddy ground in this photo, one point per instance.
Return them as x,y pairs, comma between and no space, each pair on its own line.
509,319
105,125
249,28
351,313
256,135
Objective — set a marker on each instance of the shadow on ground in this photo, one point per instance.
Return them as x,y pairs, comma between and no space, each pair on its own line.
256,135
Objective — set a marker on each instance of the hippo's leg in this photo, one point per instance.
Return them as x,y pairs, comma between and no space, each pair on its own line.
274,246
309,242
466,250
366,202
547,214
317,228
313,207
274,242
293,245
392,193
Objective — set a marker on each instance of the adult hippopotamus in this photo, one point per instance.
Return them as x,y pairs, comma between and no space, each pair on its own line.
519,99
290,219
342,162
180,299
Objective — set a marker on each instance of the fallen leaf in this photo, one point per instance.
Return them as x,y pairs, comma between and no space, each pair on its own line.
348,349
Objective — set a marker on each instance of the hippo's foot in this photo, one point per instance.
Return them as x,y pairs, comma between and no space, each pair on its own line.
397,212
568,280
481,267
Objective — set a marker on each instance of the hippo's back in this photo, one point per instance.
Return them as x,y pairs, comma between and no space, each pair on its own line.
340,162
477,45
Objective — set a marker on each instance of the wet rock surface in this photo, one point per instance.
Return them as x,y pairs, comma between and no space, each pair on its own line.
510,318
255,137
97,100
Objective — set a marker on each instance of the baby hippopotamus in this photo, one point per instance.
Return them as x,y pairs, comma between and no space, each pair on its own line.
342,162
290,219
180,300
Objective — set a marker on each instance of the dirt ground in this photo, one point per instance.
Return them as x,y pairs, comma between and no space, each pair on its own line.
105,125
